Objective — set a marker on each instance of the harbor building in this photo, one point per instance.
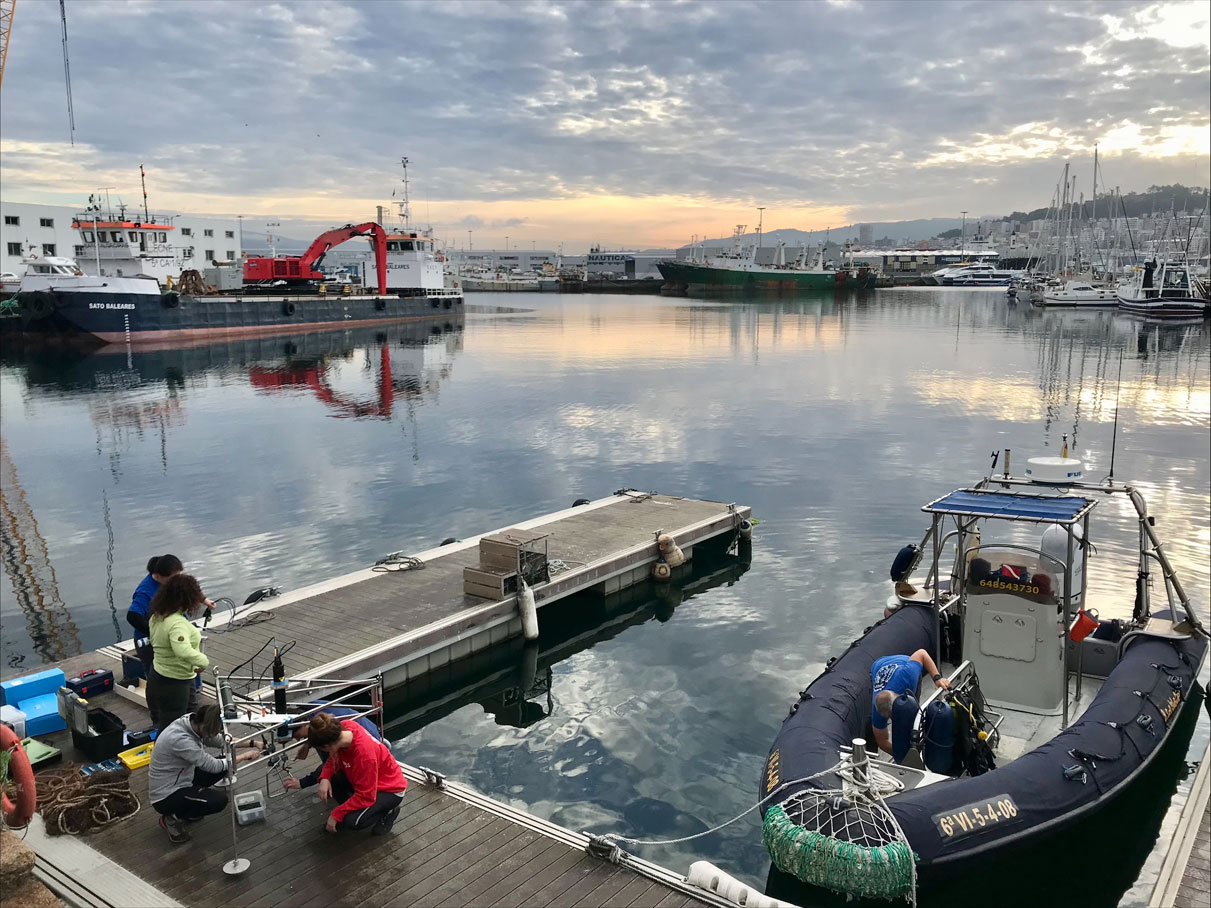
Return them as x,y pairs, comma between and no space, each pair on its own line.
29,228
503,259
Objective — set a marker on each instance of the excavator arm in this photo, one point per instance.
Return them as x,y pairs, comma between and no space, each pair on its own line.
320,245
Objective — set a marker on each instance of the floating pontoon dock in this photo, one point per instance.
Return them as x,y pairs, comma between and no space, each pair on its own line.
338,625
1185,875
451,846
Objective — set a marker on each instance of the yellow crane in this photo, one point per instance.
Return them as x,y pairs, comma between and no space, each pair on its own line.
6,29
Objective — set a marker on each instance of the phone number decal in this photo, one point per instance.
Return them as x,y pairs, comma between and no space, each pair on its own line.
1011,587
970,818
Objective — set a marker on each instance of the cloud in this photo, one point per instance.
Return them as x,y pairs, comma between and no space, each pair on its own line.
859,111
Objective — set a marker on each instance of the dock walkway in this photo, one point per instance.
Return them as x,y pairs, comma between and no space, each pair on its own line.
407,623
451,846
1185,875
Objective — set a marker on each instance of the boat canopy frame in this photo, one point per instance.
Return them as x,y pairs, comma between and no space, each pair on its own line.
985,501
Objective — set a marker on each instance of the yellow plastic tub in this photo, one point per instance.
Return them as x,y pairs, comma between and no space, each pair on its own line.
137,757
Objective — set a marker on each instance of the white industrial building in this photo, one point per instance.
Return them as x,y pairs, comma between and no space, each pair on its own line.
28,227
504,259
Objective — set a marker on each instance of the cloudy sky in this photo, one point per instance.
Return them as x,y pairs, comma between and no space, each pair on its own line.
629,124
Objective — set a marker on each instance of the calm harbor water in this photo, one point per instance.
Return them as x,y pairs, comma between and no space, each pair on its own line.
286,461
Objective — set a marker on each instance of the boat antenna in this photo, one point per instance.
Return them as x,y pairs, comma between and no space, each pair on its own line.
71,117
1114,436
143,180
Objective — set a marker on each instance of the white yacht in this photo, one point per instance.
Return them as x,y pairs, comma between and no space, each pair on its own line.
1081,291
980,274
937,277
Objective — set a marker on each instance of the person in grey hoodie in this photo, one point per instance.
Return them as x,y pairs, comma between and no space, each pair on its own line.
182,772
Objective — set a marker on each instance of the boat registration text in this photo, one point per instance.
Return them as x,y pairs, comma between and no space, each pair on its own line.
996,811
111,305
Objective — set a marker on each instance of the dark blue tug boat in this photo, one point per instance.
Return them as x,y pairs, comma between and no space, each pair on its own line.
1051,712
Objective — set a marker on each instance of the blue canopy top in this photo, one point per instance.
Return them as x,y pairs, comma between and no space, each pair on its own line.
1011,506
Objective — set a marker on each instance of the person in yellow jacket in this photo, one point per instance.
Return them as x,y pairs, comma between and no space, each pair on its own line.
171,691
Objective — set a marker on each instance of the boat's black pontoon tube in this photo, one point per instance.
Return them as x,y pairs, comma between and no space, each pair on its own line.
1044,789
1147,680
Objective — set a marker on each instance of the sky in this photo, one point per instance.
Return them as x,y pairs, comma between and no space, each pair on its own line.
628,124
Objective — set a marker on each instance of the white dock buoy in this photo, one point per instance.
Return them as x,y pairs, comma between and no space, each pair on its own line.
670,550
745,529
661,570
528,608
706,875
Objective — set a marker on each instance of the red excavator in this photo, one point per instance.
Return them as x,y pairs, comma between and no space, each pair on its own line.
298,269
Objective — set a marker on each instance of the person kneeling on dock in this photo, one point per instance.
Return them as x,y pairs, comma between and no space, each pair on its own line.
181,773
892,676
300,734
360,774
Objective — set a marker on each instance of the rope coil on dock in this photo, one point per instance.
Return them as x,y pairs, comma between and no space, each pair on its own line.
72,804
397,561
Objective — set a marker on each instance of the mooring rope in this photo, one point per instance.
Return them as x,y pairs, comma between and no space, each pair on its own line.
850,867
397,561
72,804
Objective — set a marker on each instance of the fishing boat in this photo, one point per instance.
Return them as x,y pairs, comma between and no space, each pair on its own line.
1040,712
736,269
1163,289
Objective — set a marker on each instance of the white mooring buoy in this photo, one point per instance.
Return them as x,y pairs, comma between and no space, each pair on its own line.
528,608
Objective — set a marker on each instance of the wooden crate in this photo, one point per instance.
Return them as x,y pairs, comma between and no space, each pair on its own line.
489,582
500,549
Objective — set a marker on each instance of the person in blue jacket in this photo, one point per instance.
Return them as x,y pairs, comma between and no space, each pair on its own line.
892,676
300,734
159,569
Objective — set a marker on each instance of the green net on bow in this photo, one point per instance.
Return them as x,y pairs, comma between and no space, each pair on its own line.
819,857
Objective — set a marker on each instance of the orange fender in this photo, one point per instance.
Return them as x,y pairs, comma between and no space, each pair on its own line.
22,775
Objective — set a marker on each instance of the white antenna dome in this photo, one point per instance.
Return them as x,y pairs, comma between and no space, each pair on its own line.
1055,471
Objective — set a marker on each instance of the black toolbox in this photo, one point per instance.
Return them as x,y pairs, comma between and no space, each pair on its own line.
105,737
92,682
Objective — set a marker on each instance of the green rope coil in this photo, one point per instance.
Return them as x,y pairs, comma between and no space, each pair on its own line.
883,871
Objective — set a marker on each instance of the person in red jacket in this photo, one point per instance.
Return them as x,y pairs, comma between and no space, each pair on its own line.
360,774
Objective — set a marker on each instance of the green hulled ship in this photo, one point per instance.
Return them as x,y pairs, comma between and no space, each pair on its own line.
736,269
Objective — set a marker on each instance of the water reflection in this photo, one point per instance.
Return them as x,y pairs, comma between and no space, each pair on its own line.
48,622
835,418
515,682
139,402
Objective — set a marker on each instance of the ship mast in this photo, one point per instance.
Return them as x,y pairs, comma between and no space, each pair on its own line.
405,213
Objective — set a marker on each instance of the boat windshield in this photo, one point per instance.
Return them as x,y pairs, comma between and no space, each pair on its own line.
1176,279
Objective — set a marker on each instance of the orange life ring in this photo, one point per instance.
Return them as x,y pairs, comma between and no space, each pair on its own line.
22,774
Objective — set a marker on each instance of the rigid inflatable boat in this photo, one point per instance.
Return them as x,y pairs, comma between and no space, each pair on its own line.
1050,712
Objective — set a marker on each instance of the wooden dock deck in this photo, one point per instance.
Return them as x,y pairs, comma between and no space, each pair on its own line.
408,623
451,846
1185,876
